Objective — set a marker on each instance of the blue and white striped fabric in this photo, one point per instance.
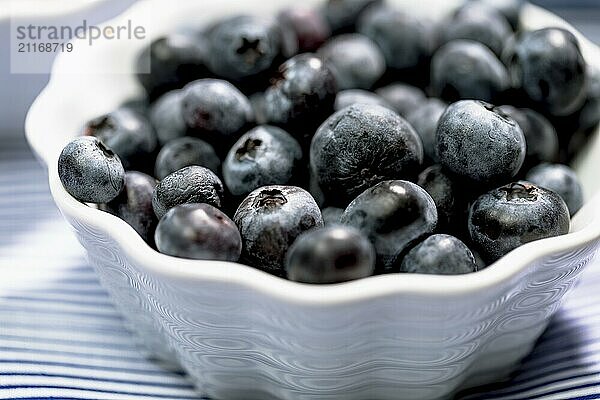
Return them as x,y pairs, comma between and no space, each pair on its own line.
60,337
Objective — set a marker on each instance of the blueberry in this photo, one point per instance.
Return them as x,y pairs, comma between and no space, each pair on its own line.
270,219
332,215
424,120
465,69
446,194
134,204
548,66
90,171
402,97
404,40
183,152
510,9
266,155
540,135
166,117
350,97
394,215
588,116
302,96
439,254
175,60
479,22
311,28
128,133
193,184
560,179
243,46
355,61
198,231
360,146
343,15
216,111
477,141
330,255
512,215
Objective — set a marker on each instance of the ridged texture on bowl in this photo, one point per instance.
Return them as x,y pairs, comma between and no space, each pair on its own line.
240,344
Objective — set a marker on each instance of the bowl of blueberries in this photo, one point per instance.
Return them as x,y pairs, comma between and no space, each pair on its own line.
340,199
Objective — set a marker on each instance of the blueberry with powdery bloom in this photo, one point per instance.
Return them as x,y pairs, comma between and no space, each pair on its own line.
478,142
166,117
394,215
200,232
441,255
465,69
349,97
301,96
512,215
560,179
270,219
311,27
360,146
193,184
402,97
134,204
183,152
354,59
343,15
330,255
266,155
216,111
90,171
547,65
126,132
424,120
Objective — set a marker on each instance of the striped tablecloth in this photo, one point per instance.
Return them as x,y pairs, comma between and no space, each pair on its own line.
60,337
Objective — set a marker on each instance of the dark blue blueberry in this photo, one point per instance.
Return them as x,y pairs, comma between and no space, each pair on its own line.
439,254
90,171
302,95
311,28
588,116
512,215
510,9
350,97
166,117
478,22
330,255
343,15
477,141
134,204
402,97
548,66
540,135
200,232
242,47
173,61
332,215
560,179
465,69
360,146
266,155
446,194
355,61
193,184
424,120
216,111
183,152
405,41
270,219
394,215
126,132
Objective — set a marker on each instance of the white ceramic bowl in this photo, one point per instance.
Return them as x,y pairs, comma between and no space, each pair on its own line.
243,334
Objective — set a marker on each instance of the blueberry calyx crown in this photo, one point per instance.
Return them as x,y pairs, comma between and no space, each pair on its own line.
251,49
519,191
271,198
248,149
107,152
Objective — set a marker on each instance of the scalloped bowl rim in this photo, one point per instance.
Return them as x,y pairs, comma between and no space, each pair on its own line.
172,268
